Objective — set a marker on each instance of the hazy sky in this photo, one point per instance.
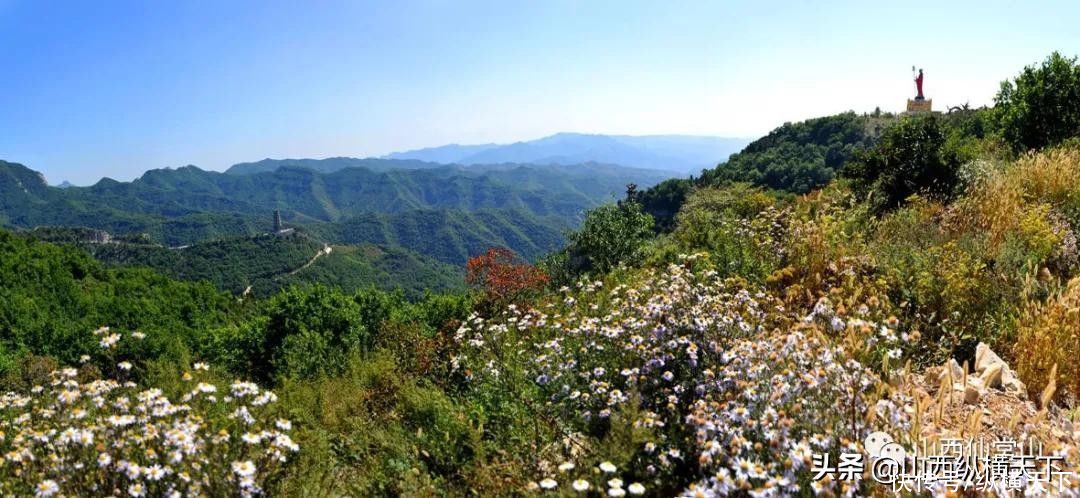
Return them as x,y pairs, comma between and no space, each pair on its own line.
113,88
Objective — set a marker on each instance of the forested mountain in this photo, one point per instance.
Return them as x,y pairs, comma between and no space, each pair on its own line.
387,268
187,205
674,153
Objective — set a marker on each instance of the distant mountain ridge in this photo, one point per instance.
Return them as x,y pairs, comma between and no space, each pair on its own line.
673,153
330,165
446,212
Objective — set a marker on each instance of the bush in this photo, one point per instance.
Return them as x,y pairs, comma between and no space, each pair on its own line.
1041,107
503,277
1026,212
738,225
374,431
911,158
305,333
611,234
824,227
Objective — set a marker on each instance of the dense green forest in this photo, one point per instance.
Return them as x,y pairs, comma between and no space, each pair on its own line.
915,274
53,295
264,264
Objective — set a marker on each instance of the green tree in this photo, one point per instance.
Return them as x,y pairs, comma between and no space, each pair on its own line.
305,333
1041,107
611,234
663,200
911,158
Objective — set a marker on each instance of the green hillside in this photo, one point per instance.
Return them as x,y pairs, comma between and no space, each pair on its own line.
798,157
387,268
452,236
53,295
263,264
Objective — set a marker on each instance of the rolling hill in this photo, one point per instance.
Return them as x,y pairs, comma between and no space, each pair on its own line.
794,157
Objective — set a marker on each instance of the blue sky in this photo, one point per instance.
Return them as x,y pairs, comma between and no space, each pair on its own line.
92,89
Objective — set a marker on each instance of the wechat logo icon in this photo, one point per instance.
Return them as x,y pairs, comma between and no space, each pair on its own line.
886,455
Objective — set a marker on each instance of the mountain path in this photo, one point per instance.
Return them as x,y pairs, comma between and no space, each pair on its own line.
325,250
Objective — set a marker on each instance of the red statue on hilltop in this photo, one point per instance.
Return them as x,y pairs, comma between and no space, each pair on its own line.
920,104
918,84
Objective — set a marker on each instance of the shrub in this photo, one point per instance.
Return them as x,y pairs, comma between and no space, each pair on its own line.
738,225
610,234
305,333
1027,211
375,431
911,158
1033,242
1041,107
824,227
949,291
503,277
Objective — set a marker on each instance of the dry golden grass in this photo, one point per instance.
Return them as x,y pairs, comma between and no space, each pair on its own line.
1052,175
998,203
1048,334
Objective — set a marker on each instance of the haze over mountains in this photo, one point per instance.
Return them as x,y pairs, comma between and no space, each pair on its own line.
328,165
675,153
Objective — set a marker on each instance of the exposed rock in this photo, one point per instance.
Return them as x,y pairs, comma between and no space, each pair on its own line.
1012,385
971,394
991,372
984,357
955,368
991,377
951,371
1002,409
996,373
